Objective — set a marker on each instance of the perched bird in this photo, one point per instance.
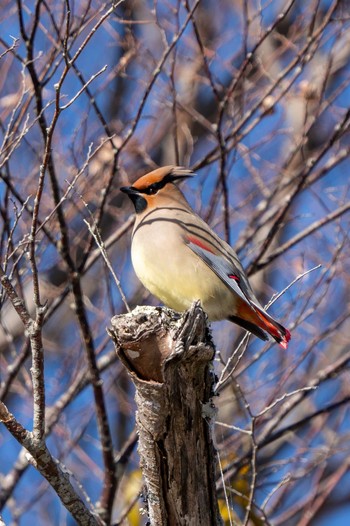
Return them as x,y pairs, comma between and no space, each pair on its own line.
179,259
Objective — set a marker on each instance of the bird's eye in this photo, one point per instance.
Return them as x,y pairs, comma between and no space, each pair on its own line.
152,189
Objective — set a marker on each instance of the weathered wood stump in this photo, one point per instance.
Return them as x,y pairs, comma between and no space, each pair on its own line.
170,362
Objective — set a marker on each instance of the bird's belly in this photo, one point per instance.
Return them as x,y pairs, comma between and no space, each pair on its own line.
179,277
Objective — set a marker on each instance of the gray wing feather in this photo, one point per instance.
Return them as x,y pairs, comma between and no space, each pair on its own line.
221,267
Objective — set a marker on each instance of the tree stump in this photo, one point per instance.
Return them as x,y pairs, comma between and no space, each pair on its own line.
170,362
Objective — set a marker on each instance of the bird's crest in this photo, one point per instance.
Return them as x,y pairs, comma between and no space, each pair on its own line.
162,176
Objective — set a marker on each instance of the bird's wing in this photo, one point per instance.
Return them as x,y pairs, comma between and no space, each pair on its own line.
232,276
222,267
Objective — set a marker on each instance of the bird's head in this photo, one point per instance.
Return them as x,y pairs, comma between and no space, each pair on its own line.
156,188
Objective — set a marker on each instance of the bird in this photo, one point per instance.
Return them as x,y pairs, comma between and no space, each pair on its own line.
180,259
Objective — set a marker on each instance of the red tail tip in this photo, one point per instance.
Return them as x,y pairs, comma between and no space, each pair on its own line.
286,338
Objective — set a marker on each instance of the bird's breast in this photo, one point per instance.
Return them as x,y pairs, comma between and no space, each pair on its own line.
169,269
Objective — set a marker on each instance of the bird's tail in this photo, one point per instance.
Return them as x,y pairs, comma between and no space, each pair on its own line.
256,320
275,329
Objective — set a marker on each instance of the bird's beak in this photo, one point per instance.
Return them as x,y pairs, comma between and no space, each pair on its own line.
130,190
139,202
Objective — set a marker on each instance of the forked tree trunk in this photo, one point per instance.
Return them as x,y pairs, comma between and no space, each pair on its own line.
170,362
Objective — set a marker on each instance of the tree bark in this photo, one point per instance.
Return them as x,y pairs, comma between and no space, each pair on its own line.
170,362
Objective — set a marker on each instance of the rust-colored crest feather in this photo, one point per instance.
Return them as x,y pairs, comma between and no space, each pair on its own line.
173,172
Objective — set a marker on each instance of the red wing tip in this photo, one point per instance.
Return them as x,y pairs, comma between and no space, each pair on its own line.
199,243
